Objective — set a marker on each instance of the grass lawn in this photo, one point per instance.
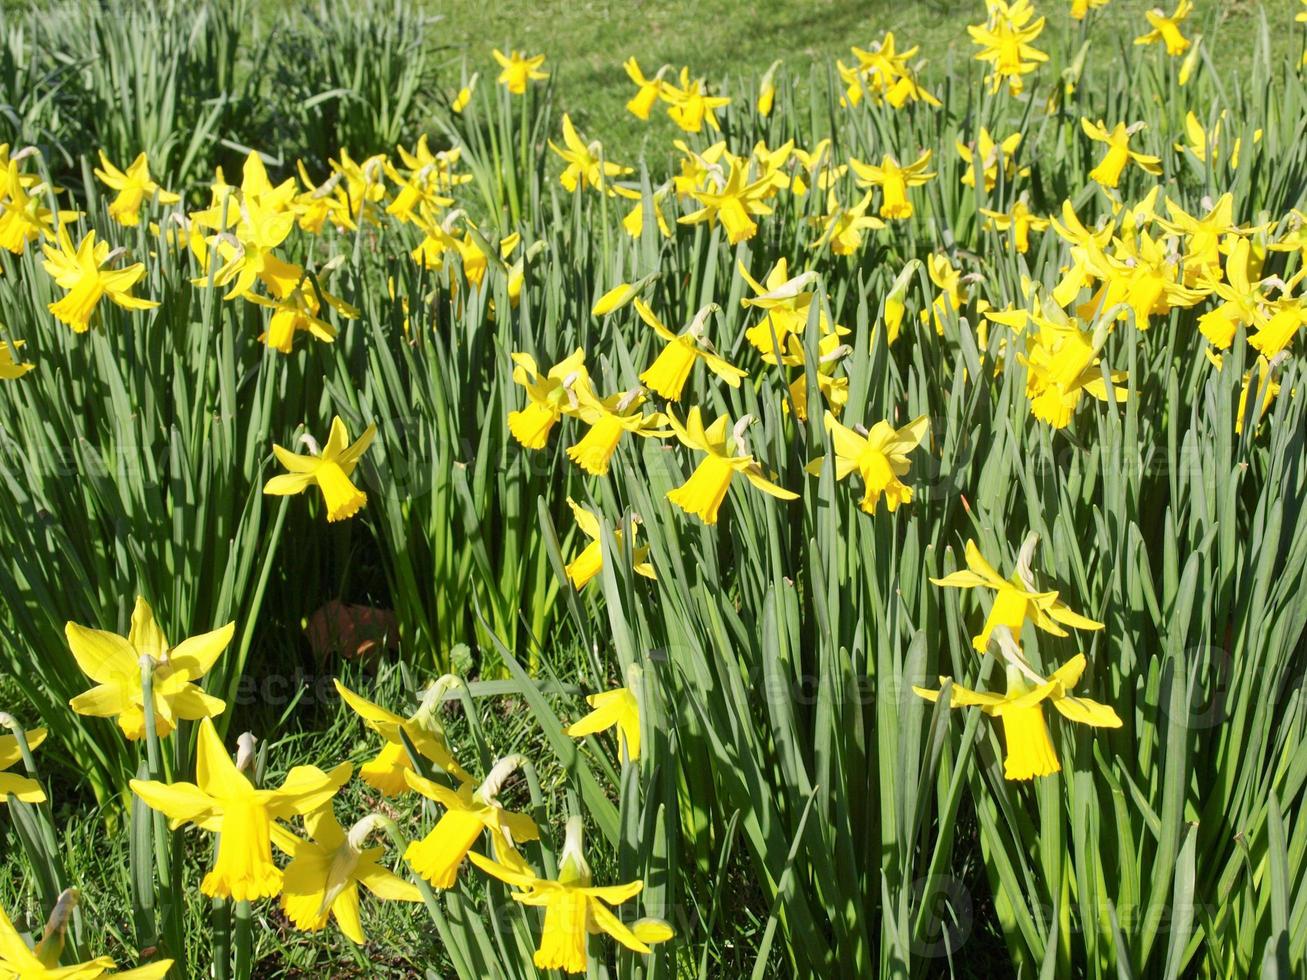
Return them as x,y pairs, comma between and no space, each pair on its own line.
586,42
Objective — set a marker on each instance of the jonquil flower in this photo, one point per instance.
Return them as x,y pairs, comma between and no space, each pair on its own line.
423,730
439,855
586,565
894,181
574,907
329,470
609,419
1108,171
23,788
879,456
9,367
19,962
548,396
82,272
1005,42
671,369
223,801
300,312
702,494
1166,29
1016,599
618,708
586,166
116,663
518,70
133,186
323,877
1030,750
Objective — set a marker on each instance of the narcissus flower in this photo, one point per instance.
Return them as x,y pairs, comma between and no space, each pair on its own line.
702,494
574,907
1166,29
115,664
1005,41
609,419
734,201
329,470
671,369
1016,599
880,457
649,90
1030,750
843,228
518,70
894,181
1081,8
10,368
223,801
989,158
323,877
1062,365
549,396
586,166
423,730
464,95
883,75
1108,171
82,272
468,813
1019,221
785,301
590,562
24,218
299,312
618,708
691,107
133,186
11,784
19,962
767,90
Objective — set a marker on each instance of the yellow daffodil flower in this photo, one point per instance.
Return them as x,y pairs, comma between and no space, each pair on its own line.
1005,41
895,306
298,312
649,91
1243,298
223,801
1019,221
830,352
549,396
438,856
767,90
609,419
734,202
786,301
329,470
989,157
671,369
880,457
82,272
518,70
574,907
464,95
42,963
133,186
1062,365
386,772
843,228
1080,8
586,166
882,75
24,218
1030,752
691,107
1166,29
115,663
590,561
702,494
10,367
618,708
22,788
894,181
1265,383
323,877
1016,599
1119,154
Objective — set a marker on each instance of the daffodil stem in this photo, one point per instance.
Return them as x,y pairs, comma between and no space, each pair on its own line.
242,941
171,929
450,941
221,919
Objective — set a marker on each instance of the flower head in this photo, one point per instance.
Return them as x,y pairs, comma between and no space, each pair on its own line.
518,70
880,458
894,181
1166,28
330,471
574,907
702,494
671,369
590,561
222,800
116,663
20,962
548,396
22,788
618,708
133,185
83,272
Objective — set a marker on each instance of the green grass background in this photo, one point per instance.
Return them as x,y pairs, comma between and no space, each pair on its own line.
585,42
